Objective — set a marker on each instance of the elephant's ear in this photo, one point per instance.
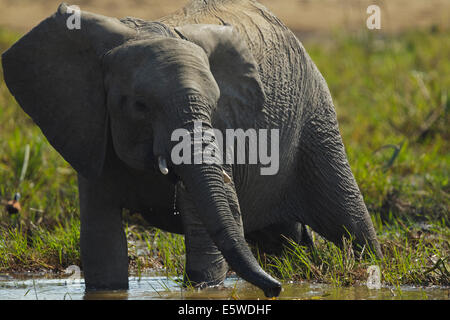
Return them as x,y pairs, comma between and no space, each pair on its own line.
231,63
55,74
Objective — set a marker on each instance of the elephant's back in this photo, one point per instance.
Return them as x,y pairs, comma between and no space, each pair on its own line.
281,58
284,66
261,29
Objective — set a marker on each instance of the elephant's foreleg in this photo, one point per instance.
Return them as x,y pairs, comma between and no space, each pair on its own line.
204,262
205,265
104,252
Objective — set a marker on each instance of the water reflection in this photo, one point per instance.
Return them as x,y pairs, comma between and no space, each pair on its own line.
106,295
154,287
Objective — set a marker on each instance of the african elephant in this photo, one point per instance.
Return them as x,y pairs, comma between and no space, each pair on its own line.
109,94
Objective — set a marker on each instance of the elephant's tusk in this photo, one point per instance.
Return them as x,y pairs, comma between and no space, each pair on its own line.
162,163
226,177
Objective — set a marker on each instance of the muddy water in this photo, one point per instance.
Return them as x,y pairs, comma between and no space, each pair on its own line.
157,287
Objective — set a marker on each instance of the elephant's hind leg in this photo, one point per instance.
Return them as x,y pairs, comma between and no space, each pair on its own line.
329,200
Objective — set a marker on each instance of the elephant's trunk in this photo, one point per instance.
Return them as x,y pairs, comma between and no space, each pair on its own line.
206,186
204,182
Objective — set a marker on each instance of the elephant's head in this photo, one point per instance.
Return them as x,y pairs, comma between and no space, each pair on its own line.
106,79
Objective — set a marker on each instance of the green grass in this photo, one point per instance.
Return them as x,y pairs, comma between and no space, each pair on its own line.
410,258
40,249
391,95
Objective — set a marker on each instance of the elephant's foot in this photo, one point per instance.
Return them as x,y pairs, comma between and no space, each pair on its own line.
205,265
205,270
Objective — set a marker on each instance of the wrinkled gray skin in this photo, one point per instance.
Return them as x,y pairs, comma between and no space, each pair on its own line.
108,97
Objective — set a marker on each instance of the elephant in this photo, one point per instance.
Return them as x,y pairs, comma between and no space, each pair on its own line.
109,94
